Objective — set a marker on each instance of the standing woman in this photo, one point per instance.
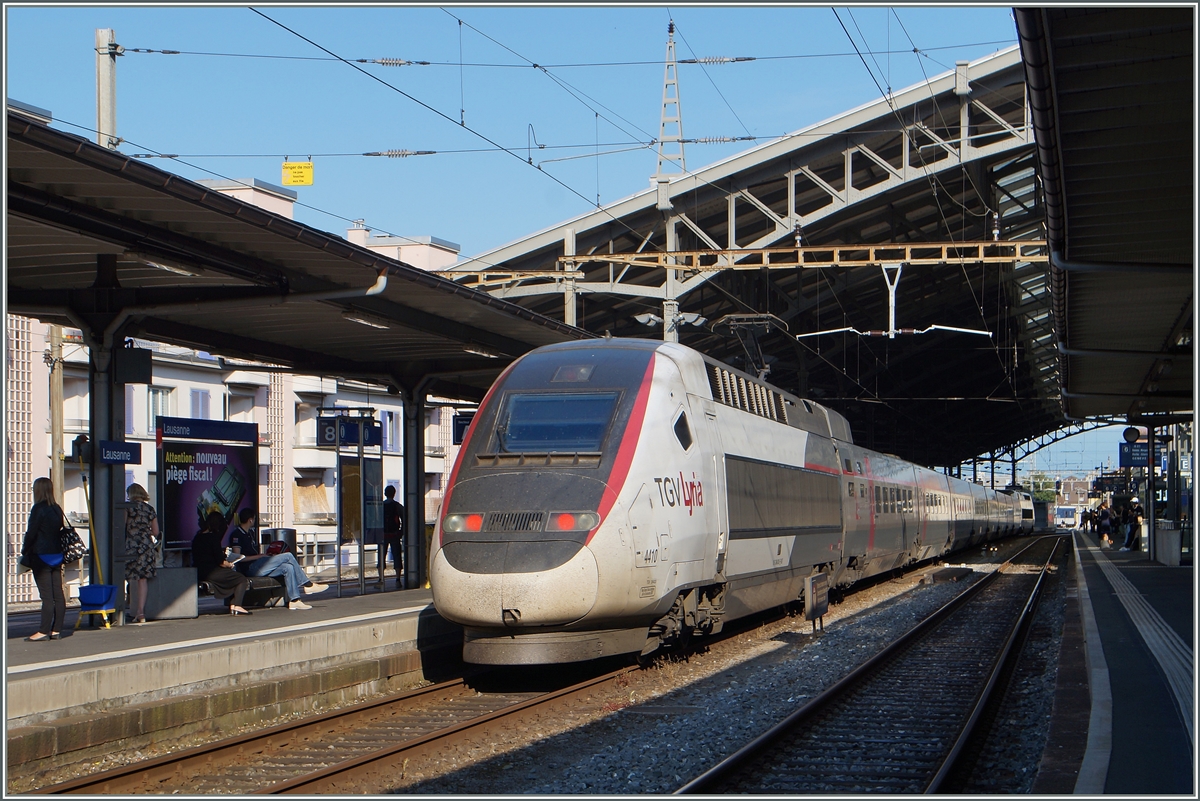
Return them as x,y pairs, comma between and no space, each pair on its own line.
141,545
41,551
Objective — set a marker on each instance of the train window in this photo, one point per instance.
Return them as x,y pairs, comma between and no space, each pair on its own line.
892,500
682,432
850,488
848,470
878,503
565,422
858,465
862,490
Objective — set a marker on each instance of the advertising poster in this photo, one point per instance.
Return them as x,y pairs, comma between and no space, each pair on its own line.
349,511
198,478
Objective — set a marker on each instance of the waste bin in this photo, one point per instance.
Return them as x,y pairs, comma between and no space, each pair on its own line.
269,535
1168,544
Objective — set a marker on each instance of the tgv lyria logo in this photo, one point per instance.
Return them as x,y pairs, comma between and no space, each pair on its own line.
679,491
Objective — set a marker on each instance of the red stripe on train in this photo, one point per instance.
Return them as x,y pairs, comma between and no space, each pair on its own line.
629,442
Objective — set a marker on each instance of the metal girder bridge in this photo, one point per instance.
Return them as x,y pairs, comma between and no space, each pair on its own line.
939,177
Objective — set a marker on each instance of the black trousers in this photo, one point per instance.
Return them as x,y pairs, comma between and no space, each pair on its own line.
226,581
54,604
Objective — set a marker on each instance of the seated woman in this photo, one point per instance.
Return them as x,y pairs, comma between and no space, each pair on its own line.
281,565
208,555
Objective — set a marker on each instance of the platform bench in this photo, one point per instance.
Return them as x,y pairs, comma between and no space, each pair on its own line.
263,591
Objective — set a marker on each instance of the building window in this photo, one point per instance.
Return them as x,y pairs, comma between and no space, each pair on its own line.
158,404
200,398
390,423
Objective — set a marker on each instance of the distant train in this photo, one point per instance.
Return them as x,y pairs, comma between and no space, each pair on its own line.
613,496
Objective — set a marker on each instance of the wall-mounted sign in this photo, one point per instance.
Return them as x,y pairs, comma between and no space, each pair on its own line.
297,173
120,452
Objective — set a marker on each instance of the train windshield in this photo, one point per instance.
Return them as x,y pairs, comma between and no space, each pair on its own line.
554,422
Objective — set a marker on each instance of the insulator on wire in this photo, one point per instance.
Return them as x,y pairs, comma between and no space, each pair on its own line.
716,140
401,154
396,62
717,59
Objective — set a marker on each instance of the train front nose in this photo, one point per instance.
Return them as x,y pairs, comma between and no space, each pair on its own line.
514,584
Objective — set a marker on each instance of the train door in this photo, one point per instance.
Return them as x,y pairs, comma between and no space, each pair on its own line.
858,504
716,509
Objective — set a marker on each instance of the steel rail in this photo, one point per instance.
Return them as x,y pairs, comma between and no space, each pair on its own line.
158,768
333,779
1005,662
710,778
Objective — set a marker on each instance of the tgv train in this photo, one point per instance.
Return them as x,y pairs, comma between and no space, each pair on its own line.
615,495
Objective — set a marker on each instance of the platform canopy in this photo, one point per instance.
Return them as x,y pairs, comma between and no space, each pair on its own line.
948,163
108,244
1113,101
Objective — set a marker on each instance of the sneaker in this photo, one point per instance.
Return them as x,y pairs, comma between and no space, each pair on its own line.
1124,549
298,604
314,588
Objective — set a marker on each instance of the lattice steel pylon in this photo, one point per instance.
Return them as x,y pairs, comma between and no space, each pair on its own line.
670,129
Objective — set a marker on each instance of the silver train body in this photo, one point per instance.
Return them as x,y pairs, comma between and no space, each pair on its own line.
615,495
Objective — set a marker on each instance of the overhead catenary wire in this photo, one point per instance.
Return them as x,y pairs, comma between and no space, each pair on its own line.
703,63
197,167
402,62
933,185
443,115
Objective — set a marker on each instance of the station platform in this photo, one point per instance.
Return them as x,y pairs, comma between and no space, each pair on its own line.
1124,712
134,686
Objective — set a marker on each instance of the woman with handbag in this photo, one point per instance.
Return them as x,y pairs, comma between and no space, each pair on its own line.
41,552
141,546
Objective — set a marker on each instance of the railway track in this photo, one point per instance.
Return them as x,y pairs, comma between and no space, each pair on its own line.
349,751
903,721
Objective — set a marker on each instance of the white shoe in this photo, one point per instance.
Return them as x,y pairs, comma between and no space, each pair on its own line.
314,588
298,604
1124,549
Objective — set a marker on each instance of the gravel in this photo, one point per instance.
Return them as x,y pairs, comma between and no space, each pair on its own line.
673,721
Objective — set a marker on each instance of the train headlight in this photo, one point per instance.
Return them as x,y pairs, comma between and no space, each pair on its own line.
572,521
460,523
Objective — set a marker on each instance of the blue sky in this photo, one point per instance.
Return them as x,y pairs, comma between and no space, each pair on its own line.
251,112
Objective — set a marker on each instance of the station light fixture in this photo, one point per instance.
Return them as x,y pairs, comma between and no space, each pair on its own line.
479,350
369,320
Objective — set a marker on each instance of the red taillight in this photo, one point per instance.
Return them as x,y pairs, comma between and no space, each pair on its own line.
572,521
474,522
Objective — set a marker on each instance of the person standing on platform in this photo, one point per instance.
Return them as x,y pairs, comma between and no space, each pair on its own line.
208,557
1133,537
282,565
141,546
41,552
393,536
1105,516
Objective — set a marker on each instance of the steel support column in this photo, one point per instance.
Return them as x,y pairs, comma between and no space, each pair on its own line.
414,486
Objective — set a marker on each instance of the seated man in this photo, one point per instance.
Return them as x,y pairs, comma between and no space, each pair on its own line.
282,565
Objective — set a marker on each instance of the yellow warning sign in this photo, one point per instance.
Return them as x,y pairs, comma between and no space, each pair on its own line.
297,173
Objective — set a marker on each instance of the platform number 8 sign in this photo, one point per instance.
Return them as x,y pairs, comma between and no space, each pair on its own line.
327,432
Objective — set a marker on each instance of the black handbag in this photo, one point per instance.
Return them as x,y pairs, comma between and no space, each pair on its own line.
73,548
